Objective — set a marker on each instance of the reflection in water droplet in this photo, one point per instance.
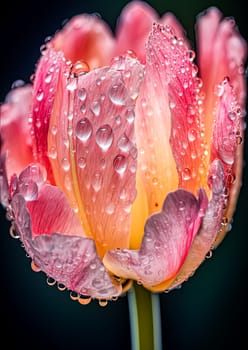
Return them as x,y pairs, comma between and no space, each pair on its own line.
103,302
84,300
83,129
120,164
104,137
50,281
118,93
28,189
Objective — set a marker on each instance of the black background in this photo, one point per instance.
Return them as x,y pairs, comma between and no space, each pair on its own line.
208,312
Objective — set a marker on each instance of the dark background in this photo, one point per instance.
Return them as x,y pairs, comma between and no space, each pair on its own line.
208,312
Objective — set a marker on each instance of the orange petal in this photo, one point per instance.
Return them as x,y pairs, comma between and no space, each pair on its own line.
85,38
95,160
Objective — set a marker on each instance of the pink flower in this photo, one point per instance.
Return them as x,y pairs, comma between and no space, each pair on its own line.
123,159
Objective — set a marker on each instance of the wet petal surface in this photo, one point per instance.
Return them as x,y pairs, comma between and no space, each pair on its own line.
167,239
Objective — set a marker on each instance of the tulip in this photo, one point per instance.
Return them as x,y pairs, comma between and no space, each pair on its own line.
121,160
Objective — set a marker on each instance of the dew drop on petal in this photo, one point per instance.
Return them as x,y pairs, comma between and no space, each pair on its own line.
124,143
96,108
97,182
83,129
118,93
40,95
186,174
65,164
50,281
104,137
52,152
81,162
103,302
29,190
82,94
120,164
84,300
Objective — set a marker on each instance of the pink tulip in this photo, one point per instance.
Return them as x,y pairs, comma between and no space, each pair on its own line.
122,160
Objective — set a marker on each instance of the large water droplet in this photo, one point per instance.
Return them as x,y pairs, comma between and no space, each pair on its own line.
104,137
28,189
79,68
120,164
83,129
118,93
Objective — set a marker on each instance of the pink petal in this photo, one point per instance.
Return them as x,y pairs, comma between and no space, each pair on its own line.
167,239
167,122
95,160
70,260
45,86
15,129
133,28
222,53
211,224
169,19
85,38
47,205
228,125
4,187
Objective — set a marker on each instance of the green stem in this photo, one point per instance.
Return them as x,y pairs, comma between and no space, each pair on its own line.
145,319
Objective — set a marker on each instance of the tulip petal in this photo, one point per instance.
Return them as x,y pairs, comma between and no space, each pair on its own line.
14,123
4,188
95,160
69,259
227,145
45,86
211,225
167,239
85,38
133,28
222,52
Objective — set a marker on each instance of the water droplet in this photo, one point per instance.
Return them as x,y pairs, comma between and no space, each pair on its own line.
97,182
81,162
82,94
103,302
65,164
50,281
74,295
186,174
120,164
191,55
172,105
96,108
52,153
104,137
130,115
110,208
124,143
83,129
17,83
118,93
71,85
84,300
40,95
54,130
79,68
29,190
181,205
48,78
61,287
13,233
34,267
192,135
